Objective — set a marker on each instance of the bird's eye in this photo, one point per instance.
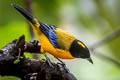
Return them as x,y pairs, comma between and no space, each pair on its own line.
81,44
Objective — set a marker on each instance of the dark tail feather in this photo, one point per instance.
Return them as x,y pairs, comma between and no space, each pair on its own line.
23,12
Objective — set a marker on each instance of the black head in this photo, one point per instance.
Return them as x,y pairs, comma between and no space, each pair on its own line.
79,50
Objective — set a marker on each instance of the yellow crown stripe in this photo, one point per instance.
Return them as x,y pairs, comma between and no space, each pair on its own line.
81,44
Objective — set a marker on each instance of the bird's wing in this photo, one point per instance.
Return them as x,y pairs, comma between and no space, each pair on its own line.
49,31
59,38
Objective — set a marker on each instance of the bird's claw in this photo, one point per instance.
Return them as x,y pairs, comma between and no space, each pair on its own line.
49,62
63,66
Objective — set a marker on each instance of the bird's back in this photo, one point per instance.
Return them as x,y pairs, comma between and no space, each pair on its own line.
64,39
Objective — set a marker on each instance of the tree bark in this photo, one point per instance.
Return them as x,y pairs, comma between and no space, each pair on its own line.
29,69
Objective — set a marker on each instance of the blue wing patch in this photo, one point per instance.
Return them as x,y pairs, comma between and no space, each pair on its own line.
53,38
49,31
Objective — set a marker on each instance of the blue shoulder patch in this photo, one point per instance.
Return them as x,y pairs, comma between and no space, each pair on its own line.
49,31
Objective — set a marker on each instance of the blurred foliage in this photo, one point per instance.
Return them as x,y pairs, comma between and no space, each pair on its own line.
9,78
12,31
92,19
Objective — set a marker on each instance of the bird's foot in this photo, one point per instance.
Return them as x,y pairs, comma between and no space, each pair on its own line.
62,64
48,61
63,67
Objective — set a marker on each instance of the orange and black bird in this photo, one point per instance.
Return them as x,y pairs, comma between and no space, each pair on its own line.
56,41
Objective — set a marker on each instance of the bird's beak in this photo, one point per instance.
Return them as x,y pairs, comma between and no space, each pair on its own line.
27,15
90,60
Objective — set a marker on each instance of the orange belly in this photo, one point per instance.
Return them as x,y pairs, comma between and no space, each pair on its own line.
48,47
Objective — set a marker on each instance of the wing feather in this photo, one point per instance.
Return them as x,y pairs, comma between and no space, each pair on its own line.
49,31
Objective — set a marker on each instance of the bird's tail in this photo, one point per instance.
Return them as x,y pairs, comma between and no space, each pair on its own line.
26,14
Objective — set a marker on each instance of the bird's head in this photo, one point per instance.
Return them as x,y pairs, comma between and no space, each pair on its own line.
79,50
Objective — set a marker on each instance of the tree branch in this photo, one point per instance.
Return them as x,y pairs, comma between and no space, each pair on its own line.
110,59
29,69
105,40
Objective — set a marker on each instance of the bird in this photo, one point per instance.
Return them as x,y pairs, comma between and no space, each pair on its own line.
58,42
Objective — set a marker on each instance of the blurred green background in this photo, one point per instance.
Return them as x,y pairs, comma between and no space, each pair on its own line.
89,20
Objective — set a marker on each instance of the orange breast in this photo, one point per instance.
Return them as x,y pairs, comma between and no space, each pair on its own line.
48,47
64,54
